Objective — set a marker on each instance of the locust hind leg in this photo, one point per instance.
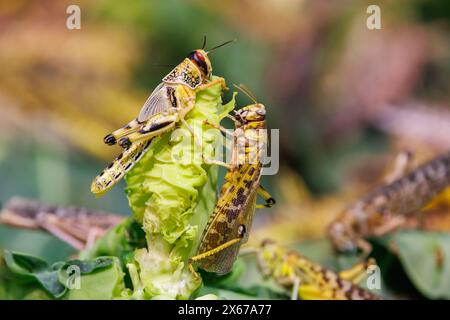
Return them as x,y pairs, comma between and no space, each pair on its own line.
228,166
217,162
358,272
119,167
266,196
403,163
291,281
209,253
152,128
312,292
156,127
390,225
131,127
93,235
295,282
51,225
364,246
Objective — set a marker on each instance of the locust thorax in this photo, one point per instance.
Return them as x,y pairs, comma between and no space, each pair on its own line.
250,135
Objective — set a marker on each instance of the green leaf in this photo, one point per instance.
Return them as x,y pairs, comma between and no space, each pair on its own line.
16,287
35,268
53,279
102,280
425,257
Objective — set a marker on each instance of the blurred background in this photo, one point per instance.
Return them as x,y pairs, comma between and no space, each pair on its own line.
345,98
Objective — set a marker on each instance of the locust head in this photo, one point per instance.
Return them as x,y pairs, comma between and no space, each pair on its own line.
342,237
200,58
251,113
269,256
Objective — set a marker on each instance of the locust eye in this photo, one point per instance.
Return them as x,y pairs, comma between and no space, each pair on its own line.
196,56
199,59
199,56
261,112
241,230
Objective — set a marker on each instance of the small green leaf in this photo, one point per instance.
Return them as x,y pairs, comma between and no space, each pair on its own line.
425,257
35,268
102,281
54,278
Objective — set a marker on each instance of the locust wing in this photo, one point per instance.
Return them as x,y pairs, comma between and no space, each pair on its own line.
234,210
160,100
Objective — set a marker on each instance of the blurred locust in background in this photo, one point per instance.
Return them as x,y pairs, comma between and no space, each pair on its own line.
387,207
167,106
229,225
79,227
309,280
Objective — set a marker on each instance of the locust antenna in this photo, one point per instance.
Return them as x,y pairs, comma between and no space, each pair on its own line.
221,45
204,42
246,91
162,65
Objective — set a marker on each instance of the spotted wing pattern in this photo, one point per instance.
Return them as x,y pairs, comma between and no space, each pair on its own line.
186,73
230,217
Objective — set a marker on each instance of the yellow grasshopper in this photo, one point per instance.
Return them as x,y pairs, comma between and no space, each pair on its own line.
387,207
309,280
167,106
229,225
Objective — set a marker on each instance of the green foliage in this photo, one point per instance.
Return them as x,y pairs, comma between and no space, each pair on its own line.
27,277
413,264
425,257
103,285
